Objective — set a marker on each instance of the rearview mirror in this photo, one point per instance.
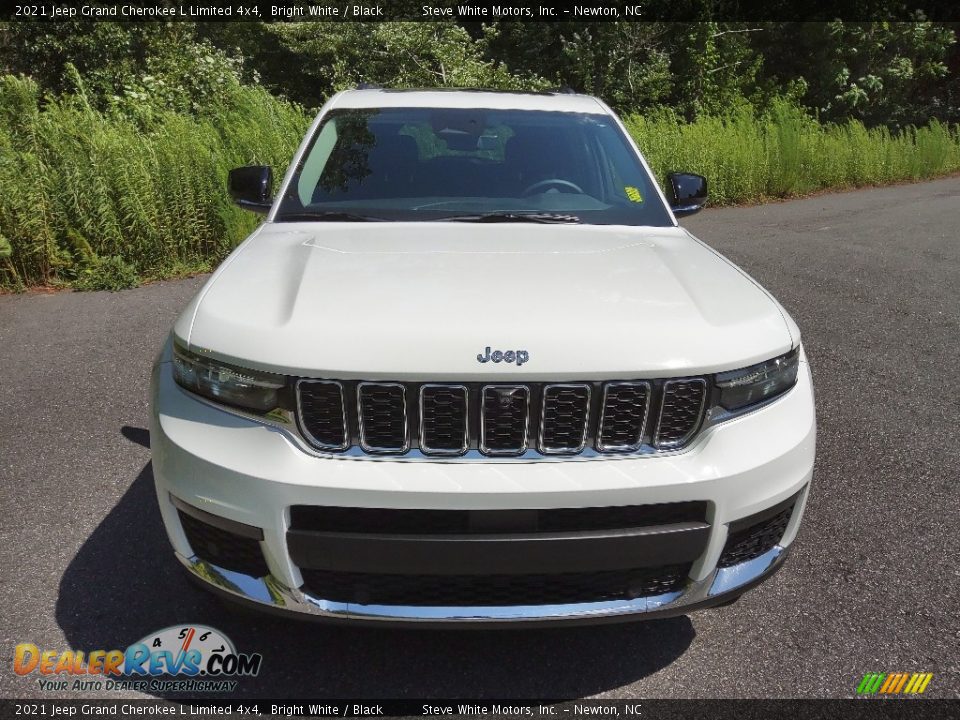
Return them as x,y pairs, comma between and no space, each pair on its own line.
250,187
686,192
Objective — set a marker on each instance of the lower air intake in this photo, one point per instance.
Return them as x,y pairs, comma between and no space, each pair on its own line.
746,543
222,548
493,590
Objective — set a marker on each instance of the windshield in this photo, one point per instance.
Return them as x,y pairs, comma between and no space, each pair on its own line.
471,165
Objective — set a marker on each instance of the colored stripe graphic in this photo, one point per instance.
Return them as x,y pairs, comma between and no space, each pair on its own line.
889,683
894,683
866,685
900,683
923,686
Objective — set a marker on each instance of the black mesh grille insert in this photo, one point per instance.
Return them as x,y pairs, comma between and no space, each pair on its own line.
564,422
322,414
681,412
383,416
443,419
491,590
222,548
624,414
505,419
388,521
753,541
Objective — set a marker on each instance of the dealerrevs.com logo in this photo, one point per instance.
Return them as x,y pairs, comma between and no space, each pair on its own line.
185,658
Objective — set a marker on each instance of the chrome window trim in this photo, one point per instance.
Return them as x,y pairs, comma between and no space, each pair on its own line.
586,421
672,444
406,419
603,413
483,429
302,425
426,449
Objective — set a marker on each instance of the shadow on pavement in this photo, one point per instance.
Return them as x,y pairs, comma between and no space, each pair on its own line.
125,583
140,436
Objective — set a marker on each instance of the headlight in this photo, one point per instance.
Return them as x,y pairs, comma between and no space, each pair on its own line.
740,388
250,389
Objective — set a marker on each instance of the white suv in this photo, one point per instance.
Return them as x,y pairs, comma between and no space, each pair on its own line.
469,369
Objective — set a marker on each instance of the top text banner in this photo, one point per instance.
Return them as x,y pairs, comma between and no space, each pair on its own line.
447,10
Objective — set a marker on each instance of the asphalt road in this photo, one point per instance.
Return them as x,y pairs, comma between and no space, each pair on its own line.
872,278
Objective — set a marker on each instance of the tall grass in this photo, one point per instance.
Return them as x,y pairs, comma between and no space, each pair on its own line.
83,193
788,153
93,199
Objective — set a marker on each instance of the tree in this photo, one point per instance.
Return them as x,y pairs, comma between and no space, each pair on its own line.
624,63
715,67
326,57
134,67
891,73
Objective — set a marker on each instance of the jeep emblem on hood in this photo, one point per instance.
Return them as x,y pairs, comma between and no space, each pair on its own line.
517,356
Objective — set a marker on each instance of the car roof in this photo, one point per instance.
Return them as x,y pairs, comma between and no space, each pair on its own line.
468,98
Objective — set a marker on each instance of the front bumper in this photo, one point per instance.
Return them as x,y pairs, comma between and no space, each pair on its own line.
216,466
724,585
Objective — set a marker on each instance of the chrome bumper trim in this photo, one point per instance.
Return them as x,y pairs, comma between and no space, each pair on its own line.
274,595
730,578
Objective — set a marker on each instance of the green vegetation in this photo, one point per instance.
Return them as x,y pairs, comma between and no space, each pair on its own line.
115,139
786,152
95,199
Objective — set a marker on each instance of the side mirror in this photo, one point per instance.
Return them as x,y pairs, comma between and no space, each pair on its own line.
686,192
250,187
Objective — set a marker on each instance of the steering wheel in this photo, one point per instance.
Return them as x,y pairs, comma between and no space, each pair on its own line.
553,181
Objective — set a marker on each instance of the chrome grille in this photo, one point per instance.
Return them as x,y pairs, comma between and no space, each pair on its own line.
624,415
563,421
681,411
382,408
505,420
443,419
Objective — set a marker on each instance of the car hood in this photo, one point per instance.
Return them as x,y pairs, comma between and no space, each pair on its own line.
422,300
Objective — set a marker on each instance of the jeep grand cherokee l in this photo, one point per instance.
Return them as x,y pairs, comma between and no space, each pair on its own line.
470,369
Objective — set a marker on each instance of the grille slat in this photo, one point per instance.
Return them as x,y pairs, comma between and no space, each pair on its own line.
624,415
681,412
504,419
443,419
563,422
510,419
383,417
321,413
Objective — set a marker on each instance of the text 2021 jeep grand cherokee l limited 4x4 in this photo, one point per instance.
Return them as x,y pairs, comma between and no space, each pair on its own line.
470,369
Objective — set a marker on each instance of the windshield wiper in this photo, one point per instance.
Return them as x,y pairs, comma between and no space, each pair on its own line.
331,216
498,217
